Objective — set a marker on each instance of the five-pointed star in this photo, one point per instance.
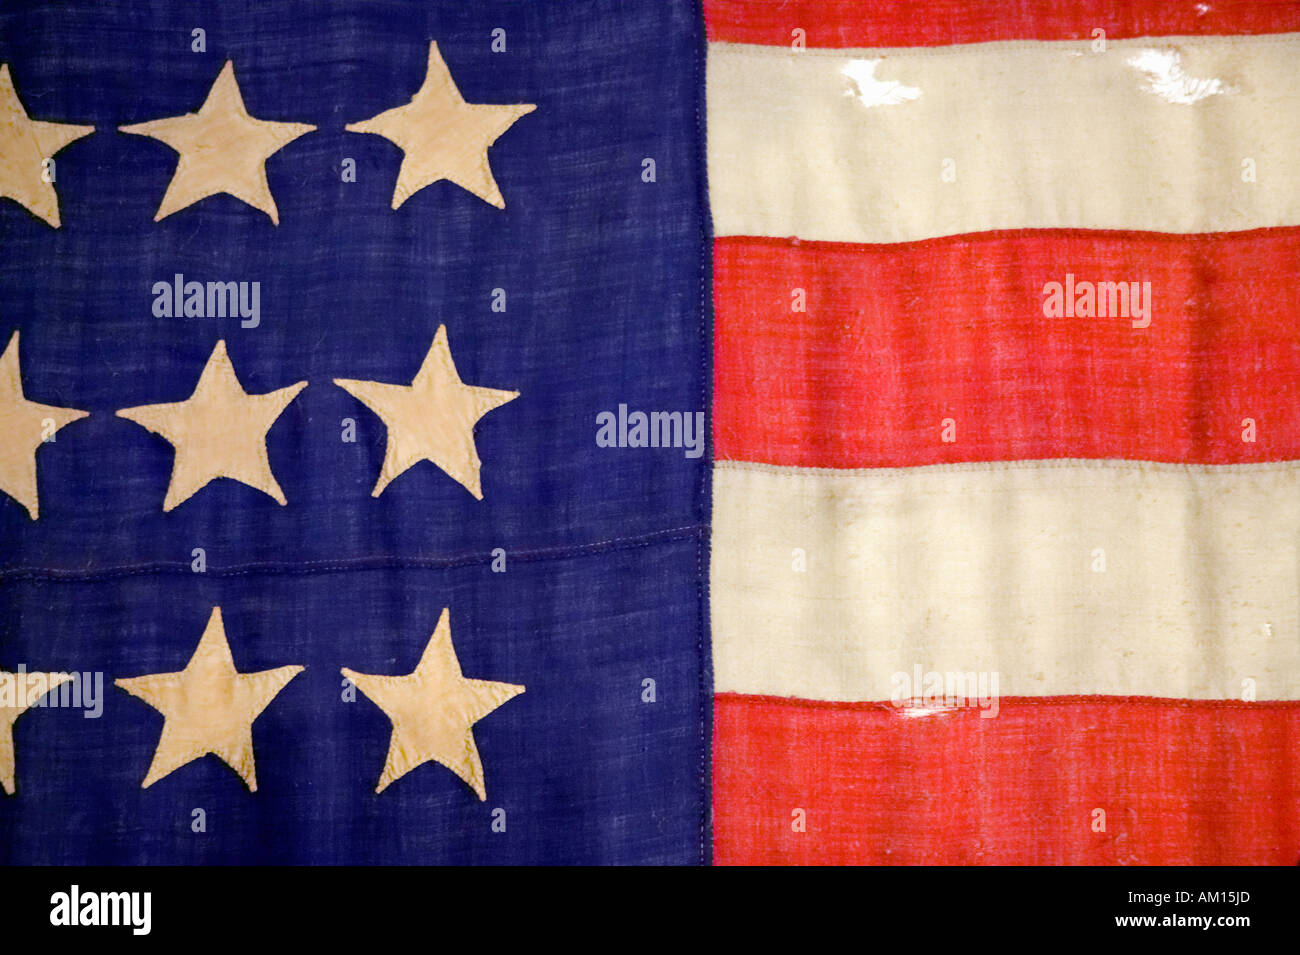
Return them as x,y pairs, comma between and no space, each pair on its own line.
25,144
219,431
209,706
433,710
18,691
431,419
24,427
222,149
443,137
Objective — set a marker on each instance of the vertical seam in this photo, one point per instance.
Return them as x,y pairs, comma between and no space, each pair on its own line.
703,546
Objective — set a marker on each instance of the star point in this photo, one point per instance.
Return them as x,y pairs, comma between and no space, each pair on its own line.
431,419
219,431
433,710
24,427
209,707
222,149
25,145
18,693
443,137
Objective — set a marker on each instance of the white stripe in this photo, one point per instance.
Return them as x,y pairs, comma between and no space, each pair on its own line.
850,145
997,568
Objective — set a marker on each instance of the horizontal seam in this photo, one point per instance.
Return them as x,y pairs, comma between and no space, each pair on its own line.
1061,700
1041,464
995,47
301,568
1096,236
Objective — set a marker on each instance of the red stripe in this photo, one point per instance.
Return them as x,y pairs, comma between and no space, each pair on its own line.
1180,783
896,338
853,23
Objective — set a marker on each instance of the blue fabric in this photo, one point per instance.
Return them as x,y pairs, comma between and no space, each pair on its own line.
606,548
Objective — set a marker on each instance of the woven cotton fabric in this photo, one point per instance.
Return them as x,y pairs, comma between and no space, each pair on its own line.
577,574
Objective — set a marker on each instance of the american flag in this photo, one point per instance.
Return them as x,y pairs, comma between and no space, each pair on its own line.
596,432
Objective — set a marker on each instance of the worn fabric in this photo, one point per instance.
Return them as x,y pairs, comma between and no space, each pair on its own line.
1004,558
577,573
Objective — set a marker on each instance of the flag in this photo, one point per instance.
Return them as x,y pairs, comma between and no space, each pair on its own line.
651,432
1006,363
309,313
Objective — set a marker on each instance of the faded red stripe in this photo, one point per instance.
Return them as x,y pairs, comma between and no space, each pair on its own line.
896,338
853,23
1180,783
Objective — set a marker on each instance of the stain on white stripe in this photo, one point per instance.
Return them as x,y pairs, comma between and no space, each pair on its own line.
1151,135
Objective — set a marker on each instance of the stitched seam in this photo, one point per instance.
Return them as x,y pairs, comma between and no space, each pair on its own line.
999,47
704,642
1063,700
305,568
1044,464
1096,236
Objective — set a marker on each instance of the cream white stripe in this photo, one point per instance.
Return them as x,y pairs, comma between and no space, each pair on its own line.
999,568
850,145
